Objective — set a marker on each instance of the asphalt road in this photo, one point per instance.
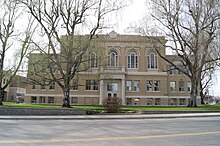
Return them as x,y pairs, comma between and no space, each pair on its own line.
148,132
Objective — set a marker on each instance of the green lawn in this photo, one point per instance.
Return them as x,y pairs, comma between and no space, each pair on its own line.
124,108
21,105
174,108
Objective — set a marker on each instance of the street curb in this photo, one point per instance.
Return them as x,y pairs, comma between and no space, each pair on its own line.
109,117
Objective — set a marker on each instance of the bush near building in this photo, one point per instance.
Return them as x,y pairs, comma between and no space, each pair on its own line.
112,104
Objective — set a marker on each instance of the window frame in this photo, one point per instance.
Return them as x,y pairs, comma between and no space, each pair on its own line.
172,87
95,85
52,85
49,100
152,61
33,101
40,99
113,59
75,85
132,60
156,86
136,85
172,70
74,100
189,86
93,62
88,85
180,66
34,86
149,85
182,87
128,87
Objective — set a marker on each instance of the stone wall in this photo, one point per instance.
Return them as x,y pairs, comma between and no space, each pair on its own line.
40,111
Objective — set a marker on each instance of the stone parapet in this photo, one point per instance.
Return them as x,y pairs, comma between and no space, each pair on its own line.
40,111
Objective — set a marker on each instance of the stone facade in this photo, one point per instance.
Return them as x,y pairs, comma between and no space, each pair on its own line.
132,71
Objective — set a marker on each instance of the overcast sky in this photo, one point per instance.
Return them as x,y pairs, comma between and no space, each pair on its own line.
131,14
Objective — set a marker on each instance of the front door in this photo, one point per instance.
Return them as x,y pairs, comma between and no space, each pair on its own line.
112,89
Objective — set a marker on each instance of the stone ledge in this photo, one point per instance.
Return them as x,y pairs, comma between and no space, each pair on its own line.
174,112
40,111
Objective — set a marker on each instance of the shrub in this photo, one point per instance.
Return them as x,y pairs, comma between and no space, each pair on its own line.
112,104
93,112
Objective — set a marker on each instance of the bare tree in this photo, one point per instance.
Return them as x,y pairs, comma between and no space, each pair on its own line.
190,26
74,18
206,81
8,36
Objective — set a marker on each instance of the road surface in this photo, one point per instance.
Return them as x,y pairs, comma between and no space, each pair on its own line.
141,132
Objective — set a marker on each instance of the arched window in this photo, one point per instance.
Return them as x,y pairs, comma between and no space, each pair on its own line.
93,60
112,59
132,60
152,61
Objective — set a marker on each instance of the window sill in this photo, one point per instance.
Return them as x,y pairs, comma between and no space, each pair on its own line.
151,69
154,91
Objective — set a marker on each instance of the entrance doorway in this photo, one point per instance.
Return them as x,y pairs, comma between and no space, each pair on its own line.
112,89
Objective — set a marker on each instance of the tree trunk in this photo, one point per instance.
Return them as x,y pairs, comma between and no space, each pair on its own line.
202,99
66,98
202,95
1,96
193,96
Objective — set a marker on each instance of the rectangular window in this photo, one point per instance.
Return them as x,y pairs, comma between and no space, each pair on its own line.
53,67
172,86
149,101
34,86
173,101
74,100
4,81
129,101
129,61
181,85
180,66
50,99
188,71
33,99
157,101
182,101
189,86
136,61
156,85
148,62
43,87
128,85
88,84
136,85
75,84
150,85
42,99
112,87
52,85
109,87
172,70
95,85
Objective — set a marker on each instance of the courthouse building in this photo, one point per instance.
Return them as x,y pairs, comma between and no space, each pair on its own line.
133,71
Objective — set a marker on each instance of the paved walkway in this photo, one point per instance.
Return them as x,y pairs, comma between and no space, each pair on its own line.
106,117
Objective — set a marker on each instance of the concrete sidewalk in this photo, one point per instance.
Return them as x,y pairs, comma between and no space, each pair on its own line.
112,117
